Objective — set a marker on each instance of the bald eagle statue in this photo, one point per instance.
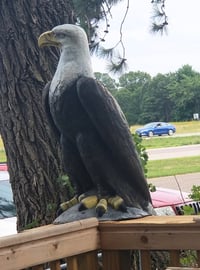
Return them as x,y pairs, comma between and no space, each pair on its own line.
97,147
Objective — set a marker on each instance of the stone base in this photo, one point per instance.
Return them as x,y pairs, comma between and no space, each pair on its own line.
73,214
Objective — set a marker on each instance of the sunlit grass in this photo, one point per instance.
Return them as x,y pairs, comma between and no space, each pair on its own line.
2,156
187,127
181,127
173,166
2,152
157,142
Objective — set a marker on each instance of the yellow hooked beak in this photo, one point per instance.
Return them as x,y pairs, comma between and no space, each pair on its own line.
48,39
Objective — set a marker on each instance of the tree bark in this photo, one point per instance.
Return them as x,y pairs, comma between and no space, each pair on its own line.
33,154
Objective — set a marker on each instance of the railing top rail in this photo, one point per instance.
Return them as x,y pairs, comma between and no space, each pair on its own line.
157,221
48,231
151,233
48,243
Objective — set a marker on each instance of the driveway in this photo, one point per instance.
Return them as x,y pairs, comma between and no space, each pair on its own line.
183,182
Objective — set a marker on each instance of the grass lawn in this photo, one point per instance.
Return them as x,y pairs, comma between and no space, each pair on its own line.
2,151
165,141
173,166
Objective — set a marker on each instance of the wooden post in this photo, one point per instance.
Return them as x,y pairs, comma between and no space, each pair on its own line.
198,258
38,267
182,268
72,263
145,260
86,261
116,260
174,257
55,265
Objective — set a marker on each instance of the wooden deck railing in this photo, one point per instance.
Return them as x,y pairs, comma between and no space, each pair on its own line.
78,244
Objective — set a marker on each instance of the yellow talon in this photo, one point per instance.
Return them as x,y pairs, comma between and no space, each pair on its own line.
89,202
66,205
101,207
81,197
116,202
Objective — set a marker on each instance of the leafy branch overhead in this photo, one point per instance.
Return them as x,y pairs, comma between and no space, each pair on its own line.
91,15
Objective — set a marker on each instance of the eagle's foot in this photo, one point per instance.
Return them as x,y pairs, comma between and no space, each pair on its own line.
93,201
101,207
117,203
68,204
90,201
87,202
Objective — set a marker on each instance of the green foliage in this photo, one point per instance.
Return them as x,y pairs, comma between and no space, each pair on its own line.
188,210
195,193
141,151
34,224
166,97
107,81
152,188
65,182
126,101
133,81
51,209
188,258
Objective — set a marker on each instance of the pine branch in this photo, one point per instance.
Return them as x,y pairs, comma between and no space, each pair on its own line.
117,67
160,19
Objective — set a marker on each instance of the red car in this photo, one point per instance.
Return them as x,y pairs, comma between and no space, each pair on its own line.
171,202
3,167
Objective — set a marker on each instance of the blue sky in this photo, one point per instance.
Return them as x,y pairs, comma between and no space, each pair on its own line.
155,53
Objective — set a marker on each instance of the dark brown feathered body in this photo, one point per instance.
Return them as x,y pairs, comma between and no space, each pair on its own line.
96,142
98,150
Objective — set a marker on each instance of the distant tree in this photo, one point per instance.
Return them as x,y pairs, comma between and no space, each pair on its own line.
186,94
137,84
126,102
107,81
134,81
158,105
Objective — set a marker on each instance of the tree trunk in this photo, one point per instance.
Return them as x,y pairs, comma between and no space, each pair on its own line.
33,154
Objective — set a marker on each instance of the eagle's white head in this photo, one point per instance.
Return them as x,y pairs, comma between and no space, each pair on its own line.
75,56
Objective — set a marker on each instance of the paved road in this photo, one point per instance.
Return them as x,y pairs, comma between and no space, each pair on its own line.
174,152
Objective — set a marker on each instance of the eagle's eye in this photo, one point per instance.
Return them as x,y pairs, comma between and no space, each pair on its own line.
60,35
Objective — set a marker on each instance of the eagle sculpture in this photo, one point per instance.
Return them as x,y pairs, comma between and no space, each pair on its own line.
97,147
